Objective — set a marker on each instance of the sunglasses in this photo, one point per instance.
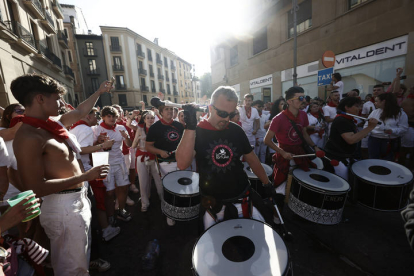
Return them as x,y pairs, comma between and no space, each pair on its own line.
19,111
224,114
300,98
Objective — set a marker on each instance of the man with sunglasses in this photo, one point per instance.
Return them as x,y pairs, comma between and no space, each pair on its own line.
285,126
250,119
218,145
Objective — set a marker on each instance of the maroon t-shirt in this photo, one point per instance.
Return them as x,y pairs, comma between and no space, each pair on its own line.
284,131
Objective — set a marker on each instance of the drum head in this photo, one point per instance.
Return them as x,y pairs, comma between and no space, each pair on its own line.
251,174
322,180
181,182
382,172
240,247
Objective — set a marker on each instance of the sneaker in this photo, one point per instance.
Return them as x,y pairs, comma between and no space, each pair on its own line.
144,208
130,202
99,265
110,232
124,215
134,189
170,222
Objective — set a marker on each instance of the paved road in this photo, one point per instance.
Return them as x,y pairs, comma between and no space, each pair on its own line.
368,243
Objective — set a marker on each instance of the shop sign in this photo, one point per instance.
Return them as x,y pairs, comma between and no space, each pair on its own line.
262,81
387,49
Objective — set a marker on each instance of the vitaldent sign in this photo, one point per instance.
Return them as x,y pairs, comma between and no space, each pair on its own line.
387,49
262,81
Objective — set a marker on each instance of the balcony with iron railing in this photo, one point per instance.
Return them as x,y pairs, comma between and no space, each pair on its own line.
140,54
152,75
63,40
165,64
68,71
25,38
159,61
144,88
142,72
93,71
175,93
162,90
90,52
167,78
120,86
174,80
150,57
58,9
153,90
161,77
173,67
118,67
168,91
116,48
35,7
48,22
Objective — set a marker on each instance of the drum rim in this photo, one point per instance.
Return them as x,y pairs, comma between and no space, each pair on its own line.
346,190
244,169
382,184
186,195
195,244
321,191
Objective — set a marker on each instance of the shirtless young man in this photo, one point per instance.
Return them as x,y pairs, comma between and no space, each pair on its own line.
48,165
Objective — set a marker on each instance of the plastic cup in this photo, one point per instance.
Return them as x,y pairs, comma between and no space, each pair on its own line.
100,158
16,199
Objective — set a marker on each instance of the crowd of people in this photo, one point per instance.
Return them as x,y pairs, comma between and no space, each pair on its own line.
46,146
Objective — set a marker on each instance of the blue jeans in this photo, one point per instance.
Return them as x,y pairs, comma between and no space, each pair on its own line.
378,148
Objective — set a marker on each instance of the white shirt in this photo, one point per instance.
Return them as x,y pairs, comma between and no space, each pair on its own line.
366,108
329,111
4,155
261,132
247,123
340,88
115,154
398,126
84,136
12,162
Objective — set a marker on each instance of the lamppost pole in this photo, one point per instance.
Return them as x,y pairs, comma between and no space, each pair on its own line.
295,8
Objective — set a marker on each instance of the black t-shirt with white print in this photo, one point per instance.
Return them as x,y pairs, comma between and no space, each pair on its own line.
218,155
165,137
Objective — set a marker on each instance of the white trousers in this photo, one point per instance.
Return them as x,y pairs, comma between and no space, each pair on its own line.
144,175
209,221
66,219
260,150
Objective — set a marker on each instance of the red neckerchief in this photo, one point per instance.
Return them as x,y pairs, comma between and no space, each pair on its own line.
239,123
168,124
78,123
316,115
105,126
48,125
289,114
248,112
331,104
410,96
372,100
204,124
15,120
146,129
347,117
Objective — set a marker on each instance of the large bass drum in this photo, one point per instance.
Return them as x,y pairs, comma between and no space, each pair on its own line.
181,196
318,196
381,185
240,247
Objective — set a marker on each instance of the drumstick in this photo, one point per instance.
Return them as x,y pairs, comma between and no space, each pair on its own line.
286,234
359,117
319,154
158,166
334,162
288,184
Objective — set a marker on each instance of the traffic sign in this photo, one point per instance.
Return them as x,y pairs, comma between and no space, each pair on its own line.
325,76
328,59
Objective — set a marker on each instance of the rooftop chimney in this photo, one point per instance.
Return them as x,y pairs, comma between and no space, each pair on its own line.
156,41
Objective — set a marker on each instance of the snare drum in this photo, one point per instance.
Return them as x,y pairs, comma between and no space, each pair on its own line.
240,247
181,196
256,184
381,185
318,196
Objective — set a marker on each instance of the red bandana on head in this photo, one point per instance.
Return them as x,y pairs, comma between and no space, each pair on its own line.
78,123
48,125
105,126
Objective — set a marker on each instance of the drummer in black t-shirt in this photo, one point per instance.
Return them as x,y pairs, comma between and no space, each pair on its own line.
162,139
218,146
343,137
